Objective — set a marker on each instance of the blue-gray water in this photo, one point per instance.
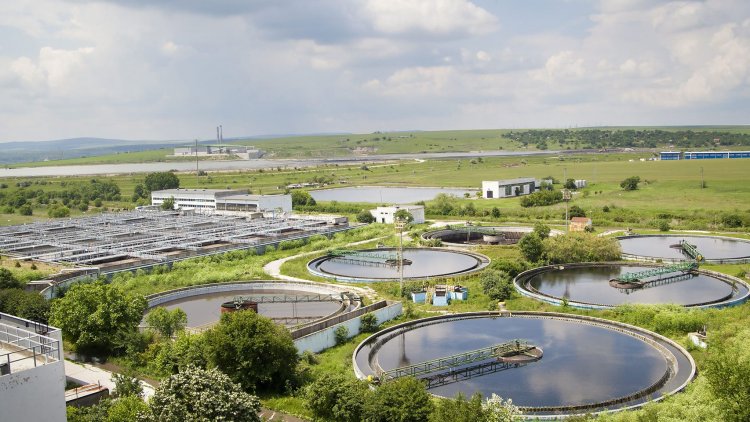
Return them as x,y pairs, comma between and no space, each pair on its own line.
425,263
591,285
205,309
581,364
386,195
710,247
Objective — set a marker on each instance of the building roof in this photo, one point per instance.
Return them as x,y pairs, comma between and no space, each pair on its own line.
199,191
514,181
250,197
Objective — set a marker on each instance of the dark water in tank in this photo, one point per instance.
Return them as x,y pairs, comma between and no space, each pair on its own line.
582,364
425,263
386,195
710,247
205,309
591,285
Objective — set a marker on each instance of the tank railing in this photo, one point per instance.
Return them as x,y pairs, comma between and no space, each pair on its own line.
290,298
25,345
508,348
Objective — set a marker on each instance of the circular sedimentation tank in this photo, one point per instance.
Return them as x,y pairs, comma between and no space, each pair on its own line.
715,249
475,236
593,286
205,304
588,365
381,264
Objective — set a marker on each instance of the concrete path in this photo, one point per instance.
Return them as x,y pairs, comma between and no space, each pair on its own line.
273,269
90,374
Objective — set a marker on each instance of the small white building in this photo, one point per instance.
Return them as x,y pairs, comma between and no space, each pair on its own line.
509,188
32,371
385,214
580,184
211,200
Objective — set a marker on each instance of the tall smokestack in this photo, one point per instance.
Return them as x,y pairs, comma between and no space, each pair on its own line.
218,136
221,133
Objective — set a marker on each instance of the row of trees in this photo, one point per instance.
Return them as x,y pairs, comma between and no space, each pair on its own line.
602,138
73,195
337,397
538,247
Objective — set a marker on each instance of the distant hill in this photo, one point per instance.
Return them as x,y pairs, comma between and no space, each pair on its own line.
21,152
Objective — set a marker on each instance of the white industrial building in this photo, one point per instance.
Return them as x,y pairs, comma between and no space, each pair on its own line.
509,188
32,371
241,151
213,200
386,214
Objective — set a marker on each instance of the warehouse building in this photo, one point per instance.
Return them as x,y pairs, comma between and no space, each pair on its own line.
509,188
387,214
702,155
212,200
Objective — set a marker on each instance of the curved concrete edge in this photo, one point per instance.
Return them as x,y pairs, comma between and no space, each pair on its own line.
591,320
181,293
522,277
484,261
634,257
522,229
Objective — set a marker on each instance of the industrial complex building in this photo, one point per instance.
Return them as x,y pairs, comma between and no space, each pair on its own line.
701,155
217,200
387,214
242,151
32,371
509,188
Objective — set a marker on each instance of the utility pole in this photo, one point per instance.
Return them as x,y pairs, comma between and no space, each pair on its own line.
196,158
566,198
400,224
703,182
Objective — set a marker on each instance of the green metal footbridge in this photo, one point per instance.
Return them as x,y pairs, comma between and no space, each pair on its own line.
640,279
463,365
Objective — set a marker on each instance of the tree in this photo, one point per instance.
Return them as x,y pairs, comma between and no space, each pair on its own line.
8,280
459,409
96,316
631,183
25,209
727,370
368,323
302,198
365,216
498,410
531,247
168,204
29,305
160,181
729,220
58,211
570,184
337,397
127,385
403,215
128,408
495,213
139,192
252,350
166,322
404,399
203,396
341,333
580,247
576,211
542,230
496,284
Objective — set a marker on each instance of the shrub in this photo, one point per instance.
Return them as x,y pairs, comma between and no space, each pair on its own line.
664,226
631,183
365,216
369,323
342,334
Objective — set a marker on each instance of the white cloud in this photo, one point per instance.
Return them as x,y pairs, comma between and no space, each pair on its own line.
442,17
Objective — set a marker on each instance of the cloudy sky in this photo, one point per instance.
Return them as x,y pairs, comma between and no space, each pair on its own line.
174,69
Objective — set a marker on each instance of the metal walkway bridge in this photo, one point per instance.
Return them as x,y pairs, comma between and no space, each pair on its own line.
293,298
639,279
464,363
375,258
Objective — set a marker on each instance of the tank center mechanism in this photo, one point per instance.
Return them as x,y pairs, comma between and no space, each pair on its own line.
662,275
466,365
